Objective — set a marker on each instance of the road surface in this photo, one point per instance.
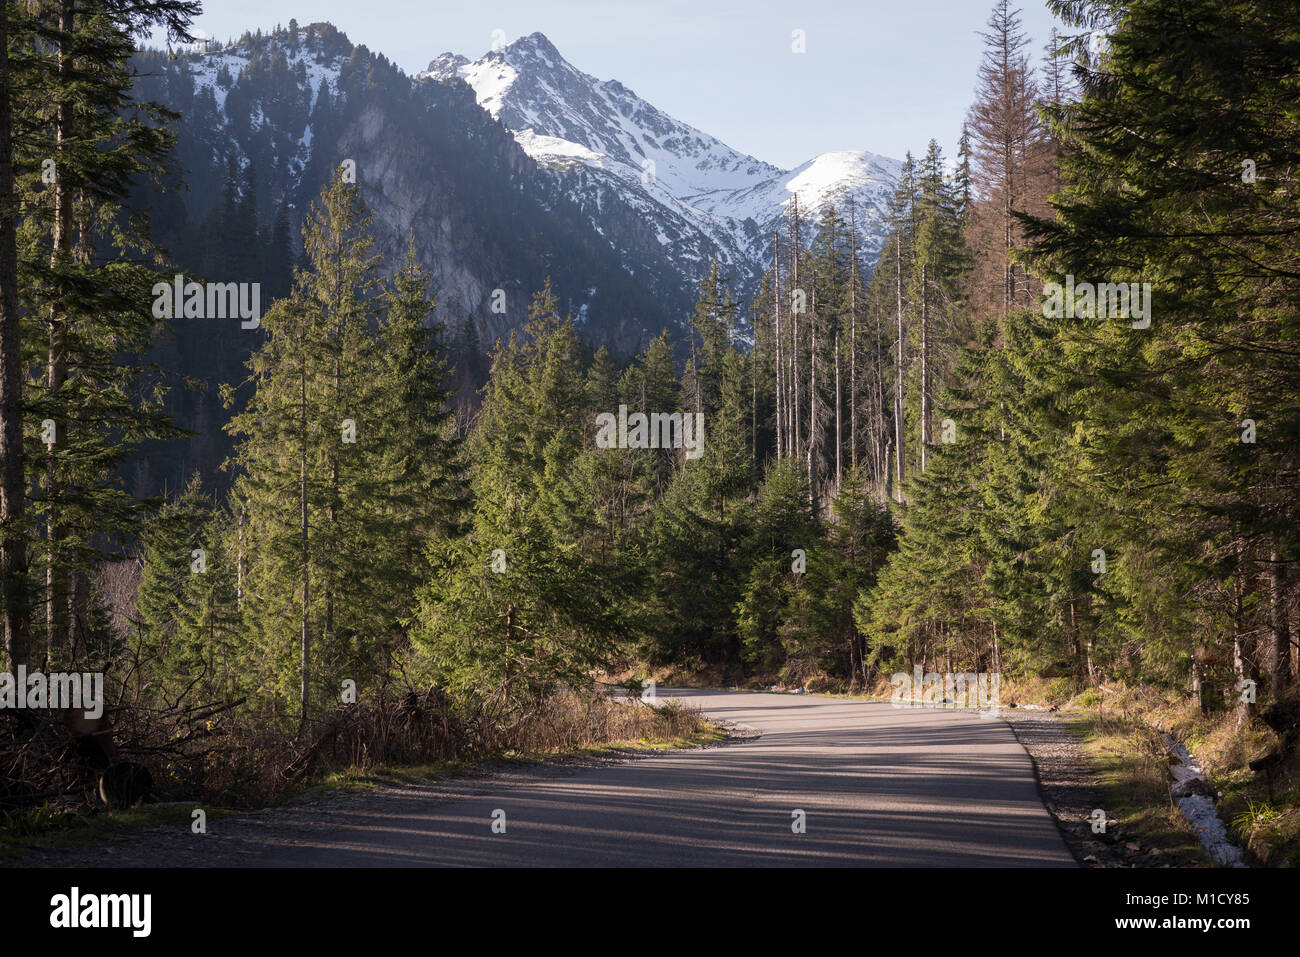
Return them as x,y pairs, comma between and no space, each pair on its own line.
878,786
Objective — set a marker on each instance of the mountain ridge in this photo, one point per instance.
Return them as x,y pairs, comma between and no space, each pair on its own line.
713,199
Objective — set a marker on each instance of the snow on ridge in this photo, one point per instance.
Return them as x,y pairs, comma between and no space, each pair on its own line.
205,66
823,173
824,179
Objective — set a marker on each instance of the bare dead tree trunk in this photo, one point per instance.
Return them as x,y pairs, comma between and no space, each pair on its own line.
78,610
1008,280
813,443
997,652
889,472
305,649
1008,196
1198,686
853,336
880,445
925,364
78,580
794,314
753,406
898,383
1241,707
695,374
1281,620
839,440
776,322
239,561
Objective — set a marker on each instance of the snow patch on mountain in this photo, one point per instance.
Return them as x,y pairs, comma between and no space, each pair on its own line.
554,152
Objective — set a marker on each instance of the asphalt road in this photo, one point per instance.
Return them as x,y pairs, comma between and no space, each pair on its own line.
878,786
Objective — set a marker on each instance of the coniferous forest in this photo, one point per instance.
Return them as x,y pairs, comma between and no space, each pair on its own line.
1051,432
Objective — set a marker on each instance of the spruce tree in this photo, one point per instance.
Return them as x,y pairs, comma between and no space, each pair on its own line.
519,607
312,454
86,269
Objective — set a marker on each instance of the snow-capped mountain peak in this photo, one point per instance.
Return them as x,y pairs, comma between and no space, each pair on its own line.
703,198
527,85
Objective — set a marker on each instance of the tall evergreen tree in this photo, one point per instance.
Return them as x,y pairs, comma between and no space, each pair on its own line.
312,451
85,268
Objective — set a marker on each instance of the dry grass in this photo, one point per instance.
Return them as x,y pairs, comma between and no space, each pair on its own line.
1132,767
1122,733
237,759
430,730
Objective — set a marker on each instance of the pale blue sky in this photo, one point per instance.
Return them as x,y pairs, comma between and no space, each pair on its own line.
880,75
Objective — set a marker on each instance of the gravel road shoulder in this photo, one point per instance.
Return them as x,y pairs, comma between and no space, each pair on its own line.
1071,790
